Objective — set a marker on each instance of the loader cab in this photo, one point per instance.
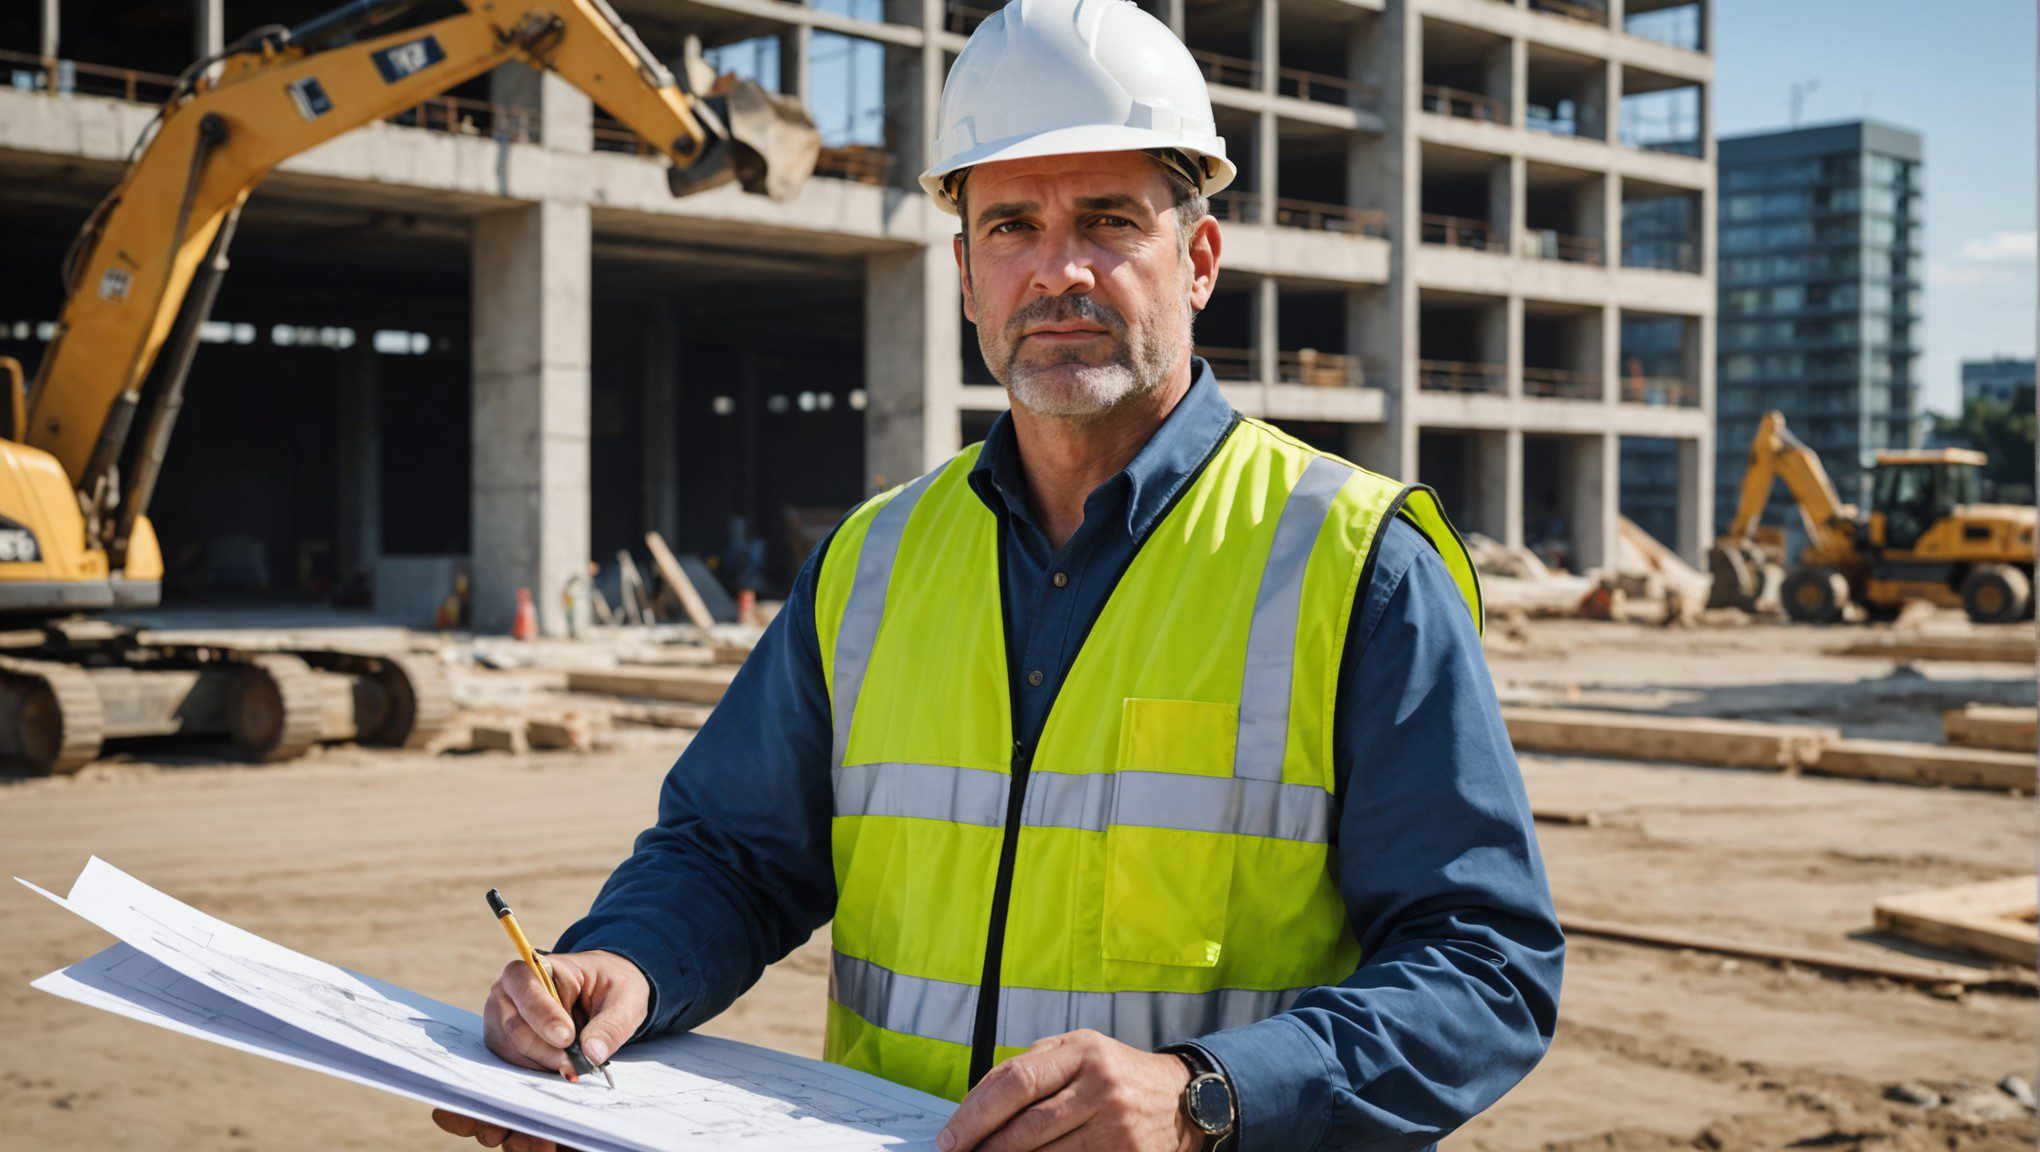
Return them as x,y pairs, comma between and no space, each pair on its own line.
1912,491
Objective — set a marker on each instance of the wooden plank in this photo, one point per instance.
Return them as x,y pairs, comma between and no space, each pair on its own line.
1577,817
1922,972
730,652
687,685
2010,647
498,736
575,731
1931,765
637,606
1994,919
1989,726
1680,739
685,716
670,572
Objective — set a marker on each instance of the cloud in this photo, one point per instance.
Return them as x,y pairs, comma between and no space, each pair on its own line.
2003,248
1968,275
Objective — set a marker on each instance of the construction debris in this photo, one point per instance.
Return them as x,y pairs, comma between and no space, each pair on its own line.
1646,569
676,579
1933,765
1990,726
498,736
573,731
1995,919
1680,739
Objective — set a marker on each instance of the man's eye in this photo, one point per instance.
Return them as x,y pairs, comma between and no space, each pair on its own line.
1115,221
1002,229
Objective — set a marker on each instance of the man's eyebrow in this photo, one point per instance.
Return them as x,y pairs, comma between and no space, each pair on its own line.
1007,210
1116,201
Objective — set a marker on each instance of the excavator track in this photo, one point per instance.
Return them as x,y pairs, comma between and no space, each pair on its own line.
273,707
58,722
403,701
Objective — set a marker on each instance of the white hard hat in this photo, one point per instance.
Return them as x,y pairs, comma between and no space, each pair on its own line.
1058,77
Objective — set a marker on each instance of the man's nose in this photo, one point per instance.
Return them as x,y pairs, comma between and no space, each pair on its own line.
1063,265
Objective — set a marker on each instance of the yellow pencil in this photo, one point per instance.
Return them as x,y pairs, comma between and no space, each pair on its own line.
543,970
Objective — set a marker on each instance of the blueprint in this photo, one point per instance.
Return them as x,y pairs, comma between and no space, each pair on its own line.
182,969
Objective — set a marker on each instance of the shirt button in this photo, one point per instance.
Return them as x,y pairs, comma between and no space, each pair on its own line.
1034,678
1062,579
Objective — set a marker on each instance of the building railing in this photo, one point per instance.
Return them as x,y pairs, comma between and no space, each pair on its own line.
1458,232
1465,105
1305,366
1588,13
1550,244
465,117
66,77
1660,391
1299,83
1461,376
1664,255
1583,123
1219,68
1561,383
1245,207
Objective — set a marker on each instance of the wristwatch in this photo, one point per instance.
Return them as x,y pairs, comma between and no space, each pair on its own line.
1208,1099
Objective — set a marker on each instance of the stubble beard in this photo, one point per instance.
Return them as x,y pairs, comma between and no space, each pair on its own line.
1062,384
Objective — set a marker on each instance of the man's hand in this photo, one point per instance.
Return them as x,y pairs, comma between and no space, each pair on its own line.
527,1027
1078,1092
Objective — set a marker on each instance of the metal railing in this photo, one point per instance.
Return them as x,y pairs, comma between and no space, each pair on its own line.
1464,105
1458,232
1585,13
1322,87
466,117
1583,123
67,77
1246,207
1550,244
1305,366
1561,383
1461,376
1219,68
1665,255
1660,391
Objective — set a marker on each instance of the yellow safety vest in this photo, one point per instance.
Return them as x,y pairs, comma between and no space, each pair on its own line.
1160,867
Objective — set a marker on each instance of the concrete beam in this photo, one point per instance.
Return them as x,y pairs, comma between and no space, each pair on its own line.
531,286
913,364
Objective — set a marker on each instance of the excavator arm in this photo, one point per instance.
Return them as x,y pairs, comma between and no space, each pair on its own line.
1776,454
161,234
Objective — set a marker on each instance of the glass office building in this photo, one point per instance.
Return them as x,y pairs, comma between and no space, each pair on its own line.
1821,286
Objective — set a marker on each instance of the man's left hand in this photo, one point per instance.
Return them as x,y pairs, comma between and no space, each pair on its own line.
1078,1092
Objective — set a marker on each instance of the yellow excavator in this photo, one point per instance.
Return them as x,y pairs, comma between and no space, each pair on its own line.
81,450
1927,535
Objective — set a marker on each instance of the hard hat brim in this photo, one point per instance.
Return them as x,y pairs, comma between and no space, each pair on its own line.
1079,140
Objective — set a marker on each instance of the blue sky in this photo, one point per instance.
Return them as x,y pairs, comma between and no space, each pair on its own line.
1960,73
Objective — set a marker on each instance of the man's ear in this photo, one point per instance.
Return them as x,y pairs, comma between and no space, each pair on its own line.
963,276
1205,243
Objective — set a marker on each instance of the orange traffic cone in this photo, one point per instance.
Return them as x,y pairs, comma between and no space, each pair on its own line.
526,625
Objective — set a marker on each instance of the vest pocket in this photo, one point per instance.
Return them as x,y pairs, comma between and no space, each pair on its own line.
1167,885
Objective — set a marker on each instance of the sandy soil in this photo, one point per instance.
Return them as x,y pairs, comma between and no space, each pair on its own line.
378,861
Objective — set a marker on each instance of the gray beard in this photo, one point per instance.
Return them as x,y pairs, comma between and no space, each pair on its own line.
1067,388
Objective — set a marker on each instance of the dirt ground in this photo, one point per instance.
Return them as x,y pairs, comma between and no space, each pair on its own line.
378,861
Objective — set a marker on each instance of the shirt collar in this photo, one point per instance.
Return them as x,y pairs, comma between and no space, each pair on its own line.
1150,482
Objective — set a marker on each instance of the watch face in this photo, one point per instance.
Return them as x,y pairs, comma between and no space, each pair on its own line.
1210,1104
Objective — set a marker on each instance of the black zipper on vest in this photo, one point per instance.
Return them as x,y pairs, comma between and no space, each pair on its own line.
985,1027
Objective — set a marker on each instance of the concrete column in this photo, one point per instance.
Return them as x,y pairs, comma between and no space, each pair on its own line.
531,273
1268,43
796,57
913,364
1172,14
562,114
1607,352
1506,326
358,543
1508,203
52,20
1512,501
1497,466
208,27
1593,98
1614,110
1267,164
1267,311
661,492
1695,496
1611,219
913,89
1592,481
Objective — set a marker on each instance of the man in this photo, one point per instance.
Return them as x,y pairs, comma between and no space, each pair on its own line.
1144,758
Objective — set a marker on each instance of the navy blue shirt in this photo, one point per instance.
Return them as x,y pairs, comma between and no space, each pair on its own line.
1456,996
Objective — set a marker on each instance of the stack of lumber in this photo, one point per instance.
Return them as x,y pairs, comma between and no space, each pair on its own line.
1932,765
575,731
1994,919
1989,726
1680,739
703,685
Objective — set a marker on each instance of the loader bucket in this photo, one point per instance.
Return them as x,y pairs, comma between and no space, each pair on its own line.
768,145
1738,571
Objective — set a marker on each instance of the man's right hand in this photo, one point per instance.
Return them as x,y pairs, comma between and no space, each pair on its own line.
526,1026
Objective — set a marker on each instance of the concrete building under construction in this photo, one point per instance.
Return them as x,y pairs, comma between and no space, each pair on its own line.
1472,243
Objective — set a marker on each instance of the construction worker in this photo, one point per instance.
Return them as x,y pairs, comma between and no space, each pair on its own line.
1144,757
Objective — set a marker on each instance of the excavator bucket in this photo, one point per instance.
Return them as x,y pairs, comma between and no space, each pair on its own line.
1738,571
767,143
